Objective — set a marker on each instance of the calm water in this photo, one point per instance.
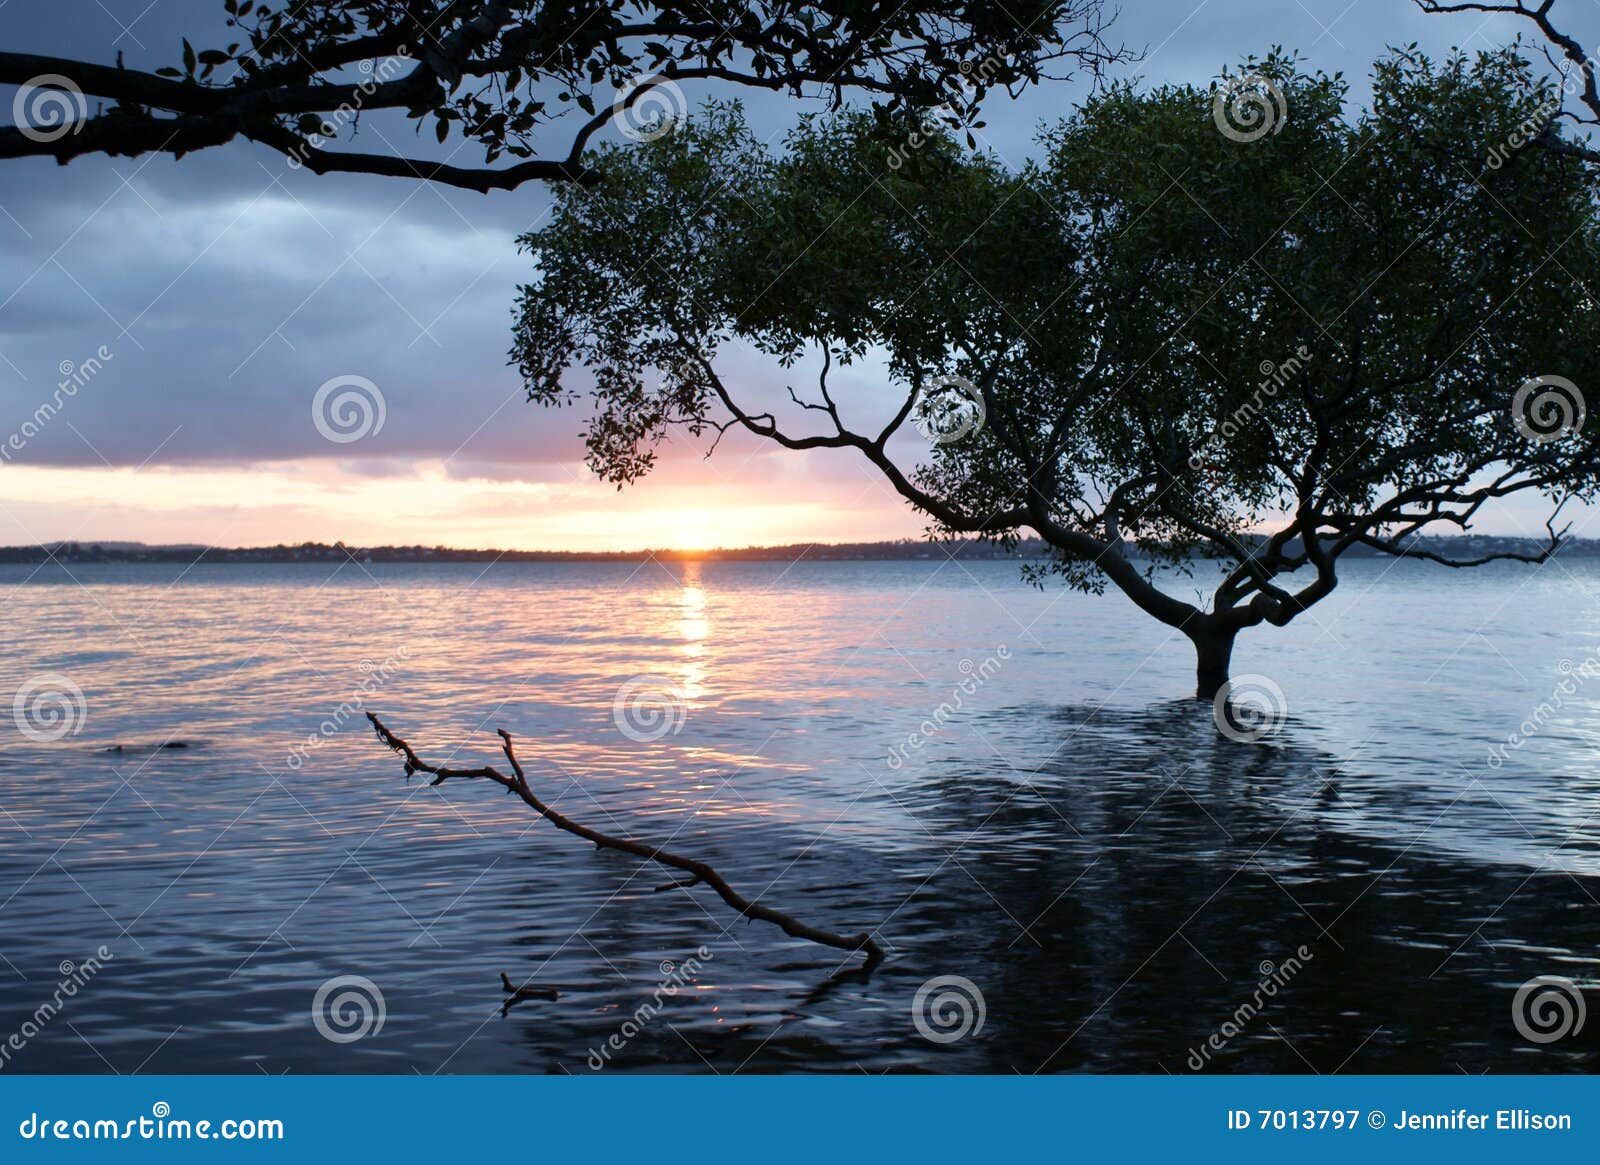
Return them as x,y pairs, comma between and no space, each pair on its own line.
1076,840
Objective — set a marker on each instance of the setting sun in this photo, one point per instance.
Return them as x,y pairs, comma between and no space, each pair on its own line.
693,530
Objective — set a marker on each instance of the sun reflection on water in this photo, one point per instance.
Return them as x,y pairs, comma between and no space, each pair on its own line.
695,627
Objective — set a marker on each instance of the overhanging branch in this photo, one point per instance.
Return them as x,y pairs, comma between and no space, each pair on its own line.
293,64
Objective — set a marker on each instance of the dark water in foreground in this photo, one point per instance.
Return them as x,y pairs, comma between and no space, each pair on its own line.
1076,841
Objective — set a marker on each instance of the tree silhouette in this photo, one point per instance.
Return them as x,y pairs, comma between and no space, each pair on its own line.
299,77
1247,324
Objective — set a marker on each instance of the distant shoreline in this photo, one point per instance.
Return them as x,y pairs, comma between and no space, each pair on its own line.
317,552
905,550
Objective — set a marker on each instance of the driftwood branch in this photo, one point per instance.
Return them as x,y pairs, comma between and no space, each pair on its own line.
517,782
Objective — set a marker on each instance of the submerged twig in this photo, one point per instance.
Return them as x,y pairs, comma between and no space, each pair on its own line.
517,782
516,995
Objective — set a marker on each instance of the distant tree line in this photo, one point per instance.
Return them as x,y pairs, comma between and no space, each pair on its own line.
899,550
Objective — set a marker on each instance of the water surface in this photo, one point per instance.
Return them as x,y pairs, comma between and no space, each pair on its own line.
1075,839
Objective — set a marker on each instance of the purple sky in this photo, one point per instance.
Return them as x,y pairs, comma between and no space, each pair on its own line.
226,288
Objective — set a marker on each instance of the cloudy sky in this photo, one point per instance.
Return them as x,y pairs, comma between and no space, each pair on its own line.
225,289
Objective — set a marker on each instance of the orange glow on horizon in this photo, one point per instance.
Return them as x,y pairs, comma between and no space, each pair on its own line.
423,504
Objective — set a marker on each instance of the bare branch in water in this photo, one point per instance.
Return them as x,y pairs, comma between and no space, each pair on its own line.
517,782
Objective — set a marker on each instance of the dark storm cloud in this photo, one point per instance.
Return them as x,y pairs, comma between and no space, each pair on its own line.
227,288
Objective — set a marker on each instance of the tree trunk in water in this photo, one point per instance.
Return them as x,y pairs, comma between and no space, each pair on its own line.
1213,650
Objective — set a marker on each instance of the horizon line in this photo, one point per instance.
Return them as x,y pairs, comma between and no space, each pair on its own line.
126,546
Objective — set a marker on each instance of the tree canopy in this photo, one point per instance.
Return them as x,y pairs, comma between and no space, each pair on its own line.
1251,323
298,77
1577,101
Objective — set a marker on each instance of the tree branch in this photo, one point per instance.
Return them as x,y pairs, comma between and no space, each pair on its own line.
517,782
1568,46
290,67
